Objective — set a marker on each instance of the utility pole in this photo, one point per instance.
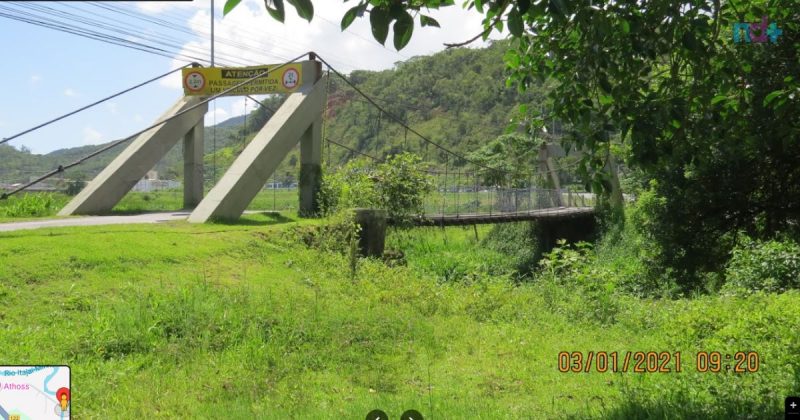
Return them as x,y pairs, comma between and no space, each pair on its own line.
212,33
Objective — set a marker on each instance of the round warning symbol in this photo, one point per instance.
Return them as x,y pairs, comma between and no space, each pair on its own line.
290,78
194,81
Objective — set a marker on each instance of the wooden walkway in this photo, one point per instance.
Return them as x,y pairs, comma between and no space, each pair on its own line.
556,213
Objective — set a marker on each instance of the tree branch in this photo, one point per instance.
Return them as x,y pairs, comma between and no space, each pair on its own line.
483,33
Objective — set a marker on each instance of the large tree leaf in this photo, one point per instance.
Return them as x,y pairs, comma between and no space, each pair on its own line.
403,28
304,8
379,20
428,21
515,22
769,98
229,5
523,6
278,13
351,14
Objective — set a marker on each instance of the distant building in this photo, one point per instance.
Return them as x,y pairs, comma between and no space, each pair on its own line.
147,185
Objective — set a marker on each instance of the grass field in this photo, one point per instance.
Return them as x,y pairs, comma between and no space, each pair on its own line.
37,205
241,321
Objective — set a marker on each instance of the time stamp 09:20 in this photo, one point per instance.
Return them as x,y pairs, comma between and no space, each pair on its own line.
655,362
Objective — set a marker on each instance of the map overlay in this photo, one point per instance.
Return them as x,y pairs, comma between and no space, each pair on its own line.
35,392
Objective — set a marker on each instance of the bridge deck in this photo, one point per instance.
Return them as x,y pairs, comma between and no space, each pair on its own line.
555,213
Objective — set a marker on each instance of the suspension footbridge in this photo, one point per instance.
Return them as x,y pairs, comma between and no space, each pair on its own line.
460,194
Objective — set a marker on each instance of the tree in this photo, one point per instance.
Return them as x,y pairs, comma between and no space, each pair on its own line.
510,158
713,121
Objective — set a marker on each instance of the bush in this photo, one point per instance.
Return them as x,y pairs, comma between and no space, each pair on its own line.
74,187
32,205
401,185
517,241
350,187
398,186
769,266
633,256
575,284
335,234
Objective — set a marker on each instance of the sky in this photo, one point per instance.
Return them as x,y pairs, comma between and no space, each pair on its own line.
48,73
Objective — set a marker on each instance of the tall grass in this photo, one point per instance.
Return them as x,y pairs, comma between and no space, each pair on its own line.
187,321
32,205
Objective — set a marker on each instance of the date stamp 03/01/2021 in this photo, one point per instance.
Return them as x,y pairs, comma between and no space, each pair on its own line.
656,362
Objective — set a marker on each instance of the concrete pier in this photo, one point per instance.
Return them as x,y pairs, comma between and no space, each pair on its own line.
119,177
298,119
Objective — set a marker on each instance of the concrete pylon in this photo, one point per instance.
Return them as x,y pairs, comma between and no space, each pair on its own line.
113,182
547,167
193,149
310,168
298,119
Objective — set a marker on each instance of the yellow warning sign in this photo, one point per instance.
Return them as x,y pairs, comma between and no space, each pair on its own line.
207,81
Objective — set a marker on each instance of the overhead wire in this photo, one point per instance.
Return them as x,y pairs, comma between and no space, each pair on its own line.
7,139
255,46
13,14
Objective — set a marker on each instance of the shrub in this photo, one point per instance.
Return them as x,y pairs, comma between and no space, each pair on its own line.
32,205
398,186
336,233
401,185
575,284
633,256
769,266
349,187
518,242
74,187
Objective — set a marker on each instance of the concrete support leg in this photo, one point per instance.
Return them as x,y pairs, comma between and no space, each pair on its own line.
615,201
548,169
251,170
193,166
310,168
113,182
372,237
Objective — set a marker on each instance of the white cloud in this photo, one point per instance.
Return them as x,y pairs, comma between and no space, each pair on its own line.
112,108
91,136
216,116
267,41
69,92
35,79
157,7
242,106
138,118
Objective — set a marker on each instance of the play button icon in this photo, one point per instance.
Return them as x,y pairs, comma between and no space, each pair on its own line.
377,415
411,415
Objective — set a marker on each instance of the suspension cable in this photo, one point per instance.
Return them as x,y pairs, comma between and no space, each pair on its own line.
8,139
325,115
328,139
400,121
214,155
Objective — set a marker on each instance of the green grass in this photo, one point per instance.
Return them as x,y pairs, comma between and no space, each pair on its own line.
188,321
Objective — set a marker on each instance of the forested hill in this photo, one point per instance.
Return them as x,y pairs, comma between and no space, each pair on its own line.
457,98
